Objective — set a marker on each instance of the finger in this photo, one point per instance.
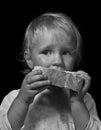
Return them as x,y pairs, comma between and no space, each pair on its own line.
39,84
32,79
35,72
86,85
81,83
85,88
36,91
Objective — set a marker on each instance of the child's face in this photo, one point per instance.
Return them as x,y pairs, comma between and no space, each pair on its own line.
54,48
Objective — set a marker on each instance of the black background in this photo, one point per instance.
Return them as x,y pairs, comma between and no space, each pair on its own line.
15,21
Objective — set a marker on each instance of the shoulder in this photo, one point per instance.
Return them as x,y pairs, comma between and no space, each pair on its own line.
90,104
88,98
9,98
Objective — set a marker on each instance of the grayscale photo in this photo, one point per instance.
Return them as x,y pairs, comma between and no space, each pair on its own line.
56,85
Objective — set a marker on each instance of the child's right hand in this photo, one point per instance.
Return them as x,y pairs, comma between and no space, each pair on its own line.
33,83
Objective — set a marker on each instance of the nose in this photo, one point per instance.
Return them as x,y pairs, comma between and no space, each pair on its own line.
58,61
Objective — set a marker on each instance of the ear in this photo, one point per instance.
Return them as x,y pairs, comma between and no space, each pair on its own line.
28,59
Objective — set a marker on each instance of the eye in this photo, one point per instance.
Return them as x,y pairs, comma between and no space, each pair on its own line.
46,52
66,52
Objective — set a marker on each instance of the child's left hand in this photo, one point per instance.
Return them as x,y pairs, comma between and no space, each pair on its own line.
74,96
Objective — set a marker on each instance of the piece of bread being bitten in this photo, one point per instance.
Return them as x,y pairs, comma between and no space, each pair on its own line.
66,79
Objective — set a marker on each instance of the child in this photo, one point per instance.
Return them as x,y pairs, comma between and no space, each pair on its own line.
50,40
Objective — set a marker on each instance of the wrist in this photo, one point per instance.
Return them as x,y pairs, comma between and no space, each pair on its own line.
76,104
23,101
76,100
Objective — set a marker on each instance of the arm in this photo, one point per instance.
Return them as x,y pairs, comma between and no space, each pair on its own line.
85,114
4,107
17,113
79,110
32,84
82,107
80,114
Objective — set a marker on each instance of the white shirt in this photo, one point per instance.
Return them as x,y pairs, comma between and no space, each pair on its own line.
93,124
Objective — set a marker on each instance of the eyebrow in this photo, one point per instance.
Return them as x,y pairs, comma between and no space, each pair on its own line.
50,47
71,48
47,47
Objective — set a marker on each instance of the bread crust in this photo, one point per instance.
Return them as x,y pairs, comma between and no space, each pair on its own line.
66,79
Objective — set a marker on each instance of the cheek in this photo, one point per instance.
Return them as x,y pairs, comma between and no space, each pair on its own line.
40,60
69,62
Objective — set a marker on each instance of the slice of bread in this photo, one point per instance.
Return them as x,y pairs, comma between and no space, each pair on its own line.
67,79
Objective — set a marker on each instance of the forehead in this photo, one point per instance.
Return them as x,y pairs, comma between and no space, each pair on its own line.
54,37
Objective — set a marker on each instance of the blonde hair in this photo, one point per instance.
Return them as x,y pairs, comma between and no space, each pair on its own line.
51,21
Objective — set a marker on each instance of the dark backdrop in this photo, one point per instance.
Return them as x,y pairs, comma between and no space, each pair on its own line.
87,18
